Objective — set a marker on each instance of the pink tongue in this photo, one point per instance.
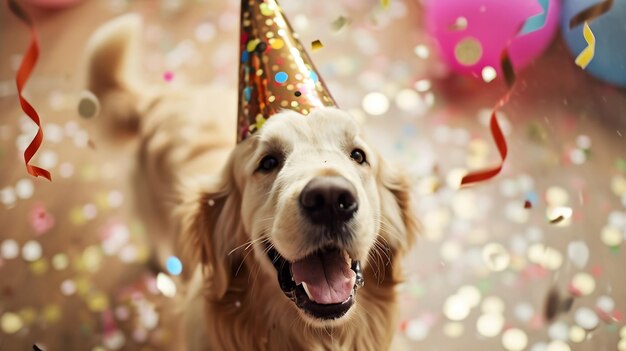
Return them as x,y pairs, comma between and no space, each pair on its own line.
328,277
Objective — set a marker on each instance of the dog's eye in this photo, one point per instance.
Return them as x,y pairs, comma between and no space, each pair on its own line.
358,156
268,163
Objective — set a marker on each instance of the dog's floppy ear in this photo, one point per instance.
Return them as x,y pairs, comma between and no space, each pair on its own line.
211,227
400,226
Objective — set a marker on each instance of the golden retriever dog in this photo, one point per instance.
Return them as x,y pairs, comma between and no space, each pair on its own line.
291,239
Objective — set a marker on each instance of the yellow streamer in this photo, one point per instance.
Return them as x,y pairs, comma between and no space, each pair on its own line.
585,56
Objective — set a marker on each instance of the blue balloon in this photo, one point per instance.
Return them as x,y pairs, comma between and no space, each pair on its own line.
609,29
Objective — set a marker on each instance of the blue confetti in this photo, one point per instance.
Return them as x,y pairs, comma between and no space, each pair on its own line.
314,76
281,77
247,91
174,266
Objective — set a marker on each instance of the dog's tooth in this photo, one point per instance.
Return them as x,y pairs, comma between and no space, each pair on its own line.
306,289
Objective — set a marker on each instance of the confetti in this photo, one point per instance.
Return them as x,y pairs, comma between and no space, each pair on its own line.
316,45
165,285
490,324
578,253
24,188
281,77
459,24
488,74
556,304
582,284
174,266
417,330
9,249
41,220
514,339
88,105
456,308
584,58
559,215
168,76
375,103
31,251
586,318
23,73
10,323
340,23
577,334
468,51
591,13
422,85
496,257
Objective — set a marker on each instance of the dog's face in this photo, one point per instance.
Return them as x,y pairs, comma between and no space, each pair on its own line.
314,201
310,202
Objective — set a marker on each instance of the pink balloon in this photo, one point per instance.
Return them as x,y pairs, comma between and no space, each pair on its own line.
489,26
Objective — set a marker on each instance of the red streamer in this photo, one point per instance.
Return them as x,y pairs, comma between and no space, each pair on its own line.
26,67
496,131
500,141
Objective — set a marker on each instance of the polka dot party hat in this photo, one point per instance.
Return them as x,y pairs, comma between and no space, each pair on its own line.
275,72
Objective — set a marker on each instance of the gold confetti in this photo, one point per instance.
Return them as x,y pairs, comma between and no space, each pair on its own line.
10,323
28,315
51,313
98,302
316,45
39,267
385,3
468,51
584,58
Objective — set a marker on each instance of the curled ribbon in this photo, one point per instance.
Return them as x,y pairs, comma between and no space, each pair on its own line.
498,137
494,126
496,132
26,67
585,56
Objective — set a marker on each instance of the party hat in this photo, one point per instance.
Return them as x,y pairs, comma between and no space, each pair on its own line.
275,72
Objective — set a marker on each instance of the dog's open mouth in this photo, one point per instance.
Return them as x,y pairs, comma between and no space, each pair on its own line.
323,284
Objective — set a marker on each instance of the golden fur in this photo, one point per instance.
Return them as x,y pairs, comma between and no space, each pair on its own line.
203,202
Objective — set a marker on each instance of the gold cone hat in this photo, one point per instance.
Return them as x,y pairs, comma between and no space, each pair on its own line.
275,72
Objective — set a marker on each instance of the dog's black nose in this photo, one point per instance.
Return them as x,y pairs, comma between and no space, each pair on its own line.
329,200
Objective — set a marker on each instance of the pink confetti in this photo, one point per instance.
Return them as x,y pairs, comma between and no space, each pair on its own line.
41,220
168,76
